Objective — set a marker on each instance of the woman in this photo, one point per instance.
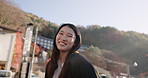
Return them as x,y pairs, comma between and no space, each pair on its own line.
65,61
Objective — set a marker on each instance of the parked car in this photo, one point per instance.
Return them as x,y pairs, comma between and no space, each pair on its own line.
5,74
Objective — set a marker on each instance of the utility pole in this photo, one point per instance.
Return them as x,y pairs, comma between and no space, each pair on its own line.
128,71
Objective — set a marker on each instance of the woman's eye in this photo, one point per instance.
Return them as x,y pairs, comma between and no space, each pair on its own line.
61,33
70,36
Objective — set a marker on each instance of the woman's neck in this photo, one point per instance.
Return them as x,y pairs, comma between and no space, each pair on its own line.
62,56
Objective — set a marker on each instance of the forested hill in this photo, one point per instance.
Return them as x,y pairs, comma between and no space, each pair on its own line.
130,45
13,17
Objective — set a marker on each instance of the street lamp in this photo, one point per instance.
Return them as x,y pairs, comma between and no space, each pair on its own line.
23,72
33,53
26,61
135,64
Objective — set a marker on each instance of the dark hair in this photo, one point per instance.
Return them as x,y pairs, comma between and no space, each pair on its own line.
52,65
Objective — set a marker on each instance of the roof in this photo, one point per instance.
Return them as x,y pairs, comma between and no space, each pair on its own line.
8,29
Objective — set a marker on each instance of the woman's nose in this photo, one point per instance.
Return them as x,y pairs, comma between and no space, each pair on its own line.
64,37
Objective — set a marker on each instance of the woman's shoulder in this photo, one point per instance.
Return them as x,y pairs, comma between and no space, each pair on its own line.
81,67
78,58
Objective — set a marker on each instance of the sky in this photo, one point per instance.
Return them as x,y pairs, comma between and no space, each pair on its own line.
126,15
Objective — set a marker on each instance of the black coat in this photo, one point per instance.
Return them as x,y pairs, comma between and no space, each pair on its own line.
80,67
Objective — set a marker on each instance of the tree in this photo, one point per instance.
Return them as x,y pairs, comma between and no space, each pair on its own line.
94,49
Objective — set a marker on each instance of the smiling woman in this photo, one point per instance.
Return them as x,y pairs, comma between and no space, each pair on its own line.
65,61
65,39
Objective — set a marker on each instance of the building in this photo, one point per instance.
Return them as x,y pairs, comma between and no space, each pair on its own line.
10,47
44,42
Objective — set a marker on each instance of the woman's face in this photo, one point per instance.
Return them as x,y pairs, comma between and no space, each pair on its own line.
65,39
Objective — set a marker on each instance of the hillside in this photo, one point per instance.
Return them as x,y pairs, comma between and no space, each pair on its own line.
131,46
115,45
13,17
